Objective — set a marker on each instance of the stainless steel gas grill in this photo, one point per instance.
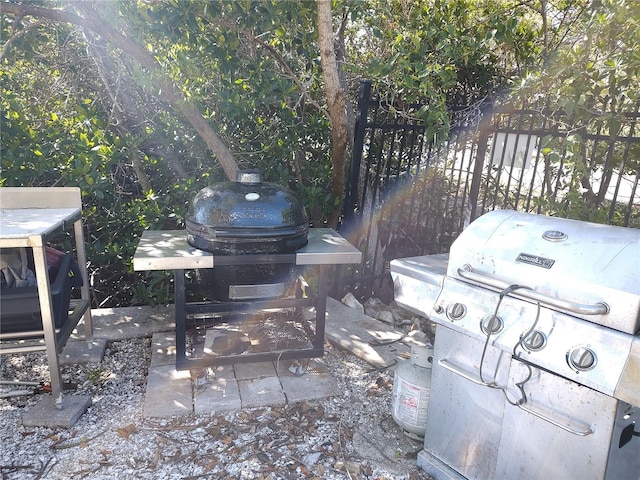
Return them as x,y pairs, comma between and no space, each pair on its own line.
537,352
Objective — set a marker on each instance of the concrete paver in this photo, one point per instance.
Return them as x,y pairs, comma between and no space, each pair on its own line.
249,371
260,392
220,394
45,413
163,349
316,383
81,351
128,322
371,340
229,387
169,392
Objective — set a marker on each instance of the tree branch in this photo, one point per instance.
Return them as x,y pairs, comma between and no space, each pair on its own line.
167,90
17,35
303,90
278,58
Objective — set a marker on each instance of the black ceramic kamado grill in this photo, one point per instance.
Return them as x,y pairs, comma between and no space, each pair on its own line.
249,244
247,217
536,370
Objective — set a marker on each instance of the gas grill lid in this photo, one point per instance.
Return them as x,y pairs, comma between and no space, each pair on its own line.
588,270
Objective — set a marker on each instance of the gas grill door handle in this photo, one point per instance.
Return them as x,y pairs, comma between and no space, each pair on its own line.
566,428
445,363
599,308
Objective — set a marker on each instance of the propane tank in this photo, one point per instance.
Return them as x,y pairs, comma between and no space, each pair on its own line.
411,388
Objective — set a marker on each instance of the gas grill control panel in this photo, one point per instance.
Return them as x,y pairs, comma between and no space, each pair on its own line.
567,346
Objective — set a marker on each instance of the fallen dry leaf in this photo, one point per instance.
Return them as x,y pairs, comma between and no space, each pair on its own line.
154,461
125,432
354,468
346,432
211,464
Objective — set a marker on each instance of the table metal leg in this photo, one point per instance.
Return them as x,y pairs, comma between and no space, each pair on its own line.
48,322
84,290
181,314
321,306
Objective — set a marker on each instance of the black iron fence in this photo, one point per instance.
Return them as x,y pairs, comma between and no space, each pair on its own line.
411,193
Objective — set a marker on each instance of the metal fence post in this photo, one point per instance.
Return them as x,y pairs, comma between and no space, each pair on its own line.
478,166
358,146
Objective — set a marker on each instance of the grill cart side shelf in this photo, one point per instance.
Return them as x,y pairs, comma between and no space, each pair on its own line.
29,217
169,250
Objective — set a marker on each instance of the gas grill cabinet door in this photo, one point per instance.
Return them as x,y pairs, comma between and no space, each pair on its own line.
464,419
533,447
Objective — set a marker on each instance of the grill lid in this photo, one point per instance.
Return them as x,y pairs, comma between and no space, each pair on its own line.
588,270
247,211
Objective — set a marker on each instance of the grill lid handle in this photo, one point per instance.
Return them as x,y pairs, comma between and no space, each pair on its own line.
249,177
599,308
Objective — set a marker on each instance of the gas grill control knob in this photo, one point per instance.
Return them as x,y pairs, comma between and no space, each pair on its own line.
491,325
581,359
535,341
456,311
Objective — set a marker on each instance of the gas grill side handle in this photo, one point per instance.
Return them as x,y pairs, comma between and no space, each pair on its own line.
599,308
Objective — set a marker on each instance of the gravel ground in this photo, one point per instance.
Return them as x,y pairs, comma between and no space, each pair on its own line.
351,436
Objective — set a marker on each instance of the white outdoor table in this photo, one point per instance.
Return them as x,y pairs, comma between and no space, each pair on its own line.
28,218
169,250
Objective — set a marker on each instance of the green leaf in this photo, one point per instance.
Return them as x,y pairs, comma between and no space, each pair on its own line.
614,125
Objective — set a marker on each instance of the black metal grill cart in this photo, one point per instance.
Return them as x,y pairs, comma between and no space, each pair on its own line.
214,320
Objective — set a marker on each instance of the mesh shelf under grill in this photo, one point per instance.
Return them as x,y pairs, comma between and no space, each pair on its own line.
247,333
